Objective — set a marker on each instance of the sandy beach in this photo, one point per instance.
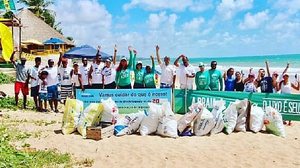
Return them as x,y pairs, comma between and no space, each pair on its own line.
235,150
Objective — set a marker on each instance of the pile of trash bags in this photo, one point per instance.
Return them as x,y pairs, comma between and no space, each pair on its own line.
239,116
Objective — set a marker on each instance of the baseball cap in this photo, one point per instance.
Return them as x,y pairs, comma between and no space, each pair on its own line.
139,62
75,63
108,60
201,64
23,59
124,58
285,74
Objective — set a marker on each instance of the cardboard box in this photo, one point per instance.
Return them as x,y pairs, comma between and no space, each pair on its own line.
98,133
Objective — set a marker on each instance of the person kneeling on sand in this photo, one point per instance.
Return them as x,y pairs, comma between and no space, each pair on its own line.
43,93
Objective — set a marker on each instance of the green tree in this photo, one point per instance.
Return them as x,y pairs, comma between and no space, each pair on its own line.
8,15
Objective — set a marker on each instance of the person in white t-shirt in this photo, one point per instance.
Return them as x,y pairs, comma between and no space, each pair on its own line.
168,71
285,86
64,76
95,74
109,72
186,73
52,80
34,84
43,92
84,71
76,78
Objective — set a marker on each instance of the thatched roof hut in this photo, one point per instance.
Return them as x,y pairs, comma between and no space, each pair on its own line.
35,28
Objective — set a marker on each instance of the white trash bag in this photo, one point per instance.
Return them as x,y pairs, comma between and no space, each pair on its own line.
129,124
230,117
204,123
256,118
217,112
273,122
242,115
110,111
150,121
167,126
185,121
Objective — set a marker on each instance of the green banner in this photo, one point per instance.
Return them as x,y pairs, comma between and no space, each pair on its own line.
7,5
287,104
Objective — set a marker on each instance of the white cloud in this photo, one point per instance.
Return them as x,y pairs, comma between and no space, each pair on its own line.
174,5
86,21
227,9
289,6
254,21
194,24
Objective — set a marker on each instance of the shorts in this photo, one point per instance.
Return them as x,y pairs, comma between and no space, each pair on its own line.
43,96
138,86
52,92
35,91
125,87
110,86
66,91
21,86
165,85
97,86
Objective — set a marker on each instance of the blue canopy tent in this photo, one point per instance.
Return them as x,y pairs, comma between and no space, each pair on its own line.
84,51
54,41
54,44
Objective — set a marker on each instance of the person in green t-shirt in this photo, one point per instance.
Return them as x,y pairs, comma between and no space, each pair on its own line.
202,78
216,80
149,78
123,72
139,73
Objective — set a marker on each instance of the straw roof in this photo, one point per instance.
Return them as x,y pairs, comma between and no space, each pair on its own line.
35,28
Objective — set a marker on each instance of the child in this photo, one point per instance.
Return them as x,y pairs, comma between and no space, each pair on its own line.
250,85
43,95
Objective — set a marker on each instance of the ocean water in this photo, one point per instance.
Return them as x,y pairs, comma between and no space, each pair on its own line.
244,63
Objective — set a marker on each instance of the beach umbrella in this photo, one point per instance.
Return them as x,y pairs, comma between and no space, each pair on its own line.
54,41
84,51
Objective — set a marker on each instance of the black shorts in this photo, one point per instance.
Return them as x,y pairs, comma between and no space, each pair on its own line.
125,87
97,86
138,86
110,86
35,91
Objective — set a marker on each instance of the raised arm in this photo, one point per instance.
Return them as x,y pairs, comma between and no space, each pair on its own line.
286,68
12,58
268,69
98,50
153,64
177,60
134,60
60,57
296,87
130,57
157,55
115,54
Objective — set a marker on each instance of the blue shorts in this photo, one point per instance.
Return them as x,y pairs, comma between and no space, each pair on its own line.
52,92
43,96
164,85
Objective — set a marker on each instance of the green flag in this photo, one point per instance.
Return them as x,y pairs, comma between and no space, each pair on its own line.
7,5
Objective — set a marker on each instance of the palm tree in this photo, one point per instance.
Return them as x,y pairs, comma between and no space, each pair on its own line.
40,9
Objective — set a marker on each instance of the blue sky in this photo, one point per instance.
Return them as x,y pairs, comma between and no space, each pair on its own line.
196,28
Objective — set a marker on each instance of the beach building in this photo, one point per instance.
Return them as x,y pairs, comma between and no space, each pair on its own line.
37,37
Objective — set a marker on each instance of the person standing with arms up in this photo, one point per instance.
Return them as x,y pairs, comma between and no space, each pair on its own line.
202,79
123,71
216,81
139,72
109,72
22,79
65,78
186,73
95,73
168,72
149,78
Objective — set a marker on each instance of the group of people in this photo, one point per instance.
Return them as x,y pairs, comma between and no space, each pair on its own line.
54,83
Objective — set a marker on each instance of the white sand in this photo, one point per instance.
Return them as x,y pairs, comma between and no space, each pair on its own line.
235,150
